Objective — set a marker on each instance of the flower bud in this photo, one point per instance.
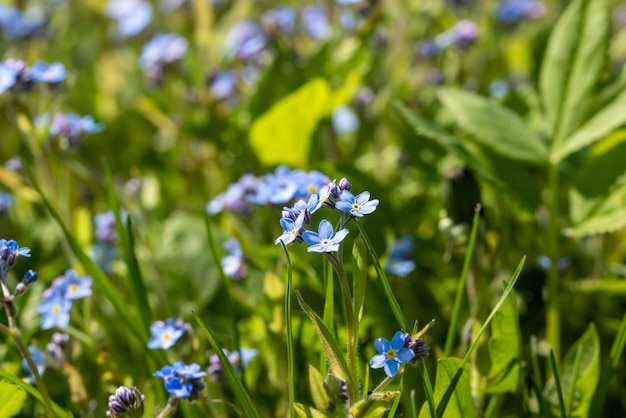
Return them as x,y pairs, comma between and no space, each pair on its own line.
126,402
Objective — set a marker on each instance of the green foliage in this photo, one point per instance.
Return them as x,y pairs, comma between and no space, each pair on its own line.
11,399
460,404
374,405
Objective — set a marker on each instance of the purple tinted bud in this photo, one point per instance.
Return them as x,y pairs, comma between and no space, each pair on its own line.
30,276
126,402
14,165
465,33
419,348
427,49
344,184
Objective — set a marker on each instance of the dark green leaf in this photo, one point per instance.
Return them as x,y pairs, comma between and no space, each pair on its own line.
602,166
461,403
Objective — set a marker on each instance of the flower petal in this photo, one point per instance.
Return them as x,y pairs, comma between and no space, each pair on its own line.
382,344
397,342
343,206
378,361
391,368
311,237
404,355
363,198
339,236
325,229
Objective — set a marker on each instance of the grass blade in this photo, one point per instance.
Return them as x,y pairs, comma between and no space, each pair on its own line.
614,357
241,394
461,285
393,302
428,389
557,381
509,288
291,381
536,377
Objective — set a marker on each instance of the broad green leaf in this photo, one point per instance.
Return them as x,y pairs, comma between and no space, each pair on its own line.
587,376
374,405
305,411
318,392
513,179
336,360
575,54
505,348
603,165
11,399
283,134
494,126
606,214
596,128
33,391
461,404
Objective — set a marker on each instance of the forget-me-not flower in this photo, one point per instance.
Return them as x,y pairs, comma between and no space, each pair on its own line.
165,334
55,311
356,206
234,264
182,381
399,261
291,229
391,354
48,73
325,240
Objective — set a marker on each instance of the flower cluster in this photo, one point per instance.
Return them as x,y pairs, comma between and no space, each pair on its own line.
279,187
17,24
69,128
57,299
238,359
296,220
17,77
165,334
462,35
182,381
400,350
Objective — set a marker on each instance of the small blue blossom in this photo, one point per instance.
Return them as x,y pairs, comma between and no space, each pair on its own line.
182,381
39,358
74,287
282,19
9,251
132,15
514,11
356,206
315,21
246,41
55,311
345,120
162,49
30,276
48,73
303,207
399,261
237,360
391,354
325,240
165,334
291,229
234,264
73,128
8,77
223,84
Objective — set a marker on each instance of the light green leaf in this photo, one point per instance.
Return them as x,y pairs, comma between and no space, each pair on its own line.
494,126
336,360
600,125
461,404
374,405
585,380
11,399
575,54
318,392
283,134
305,411
359,252
606,214
505,349
603,165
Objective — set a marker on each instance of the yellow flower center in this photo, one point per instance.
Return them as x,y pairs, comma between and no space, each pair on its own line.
56,309
311,188
391,354
166,336
356,207
73,288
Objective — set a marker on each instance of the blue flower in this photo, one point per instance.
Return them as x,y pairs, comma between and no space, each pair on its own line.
514,11
191,371
302,207
234,264
246,40
73,287
48,73
281,18
8,77
223,84
345,120
9,251
182,381
315,21
324,241
162,49
399,261
165,334
73,128
55,311
236,359
356,206
6,201
391,354
132,15
291,229
39,358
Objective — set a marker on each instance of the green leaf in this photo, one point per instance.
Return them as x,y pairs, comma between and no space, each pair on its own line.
374,405
513,179
494,126
585,377
461,403
336,360
603,165
606,214
318,391
242,396
305,411
11,399
600,125
575,54
505,348
293,119
33,391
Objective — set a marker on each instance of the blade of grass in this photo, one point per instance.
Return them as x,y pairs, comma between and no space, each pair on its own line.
396,400
536,376
450,390
557,381
34,392
460,290
614,357
137,283
428,389
241,394
393,302
413,404
572,390
291,380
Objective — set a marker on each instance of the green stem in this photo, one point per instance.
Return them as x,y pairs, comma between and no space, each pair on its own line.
168,408
329,309
290,360
461,285
347,307
553,317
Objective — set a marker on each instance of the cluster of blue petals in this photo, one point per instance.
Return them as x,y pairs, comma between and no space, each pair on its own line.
165,334
463,34
182,381
17,77
57,299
